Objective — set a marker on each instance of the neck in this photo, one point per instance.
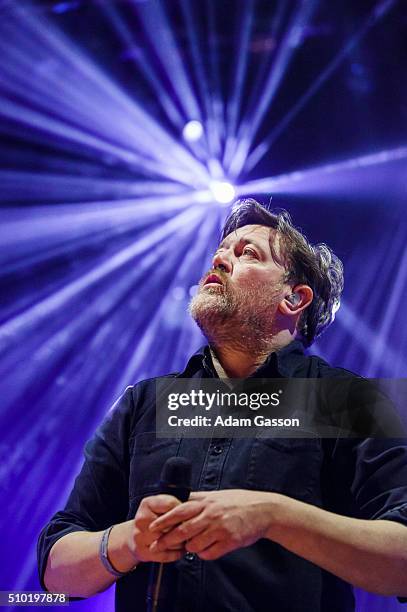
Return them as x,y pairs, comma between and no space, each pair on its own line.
236,361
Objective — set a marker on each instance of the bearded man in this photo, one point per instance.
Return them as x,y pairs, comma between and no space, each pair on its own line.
287,524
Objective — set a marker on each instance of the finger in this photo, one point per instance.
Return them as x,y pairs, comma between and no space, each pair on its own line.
154,548
202,541
182,513
152,507
144,538
198,495
168,556
143,519
184,531
162,503
216,550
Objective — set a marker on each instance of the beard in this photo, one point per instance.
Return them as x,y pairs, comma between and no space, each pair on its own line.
233,316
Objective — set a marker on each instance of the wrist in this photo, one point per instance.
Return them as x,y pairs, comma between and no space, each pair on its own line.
278,509
120,554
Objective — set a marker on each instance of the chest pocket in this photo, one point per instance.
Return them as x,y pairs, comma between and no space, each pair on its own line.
286,465
147,460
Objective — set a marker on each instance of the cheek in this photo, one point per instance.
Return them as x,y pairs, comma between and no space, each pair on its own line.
253,279
258,289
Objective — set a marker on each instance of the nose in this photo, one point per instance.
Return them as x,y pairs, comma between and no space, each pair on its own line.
222,262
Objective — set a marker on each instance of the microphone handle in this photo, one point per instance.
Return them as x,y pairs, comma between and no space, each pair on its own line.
181,493
175,480
152,598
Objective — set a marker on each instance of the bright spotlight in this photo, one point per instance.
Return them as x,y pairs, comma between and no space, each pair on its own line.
192,131
222,191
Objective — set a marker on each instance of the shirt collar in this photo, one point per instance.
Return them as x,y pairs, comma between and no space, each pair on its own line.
285,363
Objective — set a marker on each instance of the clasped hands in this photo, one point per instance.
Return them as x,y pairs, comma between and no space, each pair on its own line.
210,524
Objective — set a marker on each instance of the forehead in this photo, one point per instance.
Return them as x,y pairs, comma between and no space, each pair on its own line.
262,235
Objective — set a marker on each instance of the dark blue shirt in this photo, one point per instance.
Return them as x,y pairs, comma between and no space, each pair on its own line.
362,478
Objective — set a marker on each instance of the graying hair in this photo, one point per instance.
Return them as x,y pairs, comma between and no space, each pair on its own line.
313,265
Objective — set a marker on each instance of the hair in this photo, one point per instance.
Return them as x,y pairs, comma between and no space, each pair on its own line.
313,265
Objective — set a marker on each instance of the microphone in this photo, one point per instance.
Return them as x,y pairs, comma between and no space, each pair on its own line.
175,480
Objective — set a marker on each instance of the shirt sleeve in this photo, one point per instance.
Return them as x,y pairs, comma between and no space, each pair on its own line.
377,477
99,497
379,484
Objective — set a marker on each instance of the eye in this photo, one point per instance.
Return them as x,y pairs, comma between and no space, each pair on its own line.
250,252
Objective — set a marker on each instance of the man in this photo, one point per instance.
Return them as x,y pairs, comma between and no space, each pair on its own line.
272,523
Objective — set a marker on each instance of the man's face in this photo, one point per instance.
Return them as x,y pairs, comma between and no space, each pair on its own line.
244,287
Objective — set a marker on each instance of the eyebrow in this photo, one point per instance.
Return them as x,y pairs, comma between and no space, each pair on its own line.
243,241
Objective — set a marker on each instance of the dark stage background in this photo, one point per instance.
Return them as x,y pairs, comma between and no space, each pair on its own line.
127,128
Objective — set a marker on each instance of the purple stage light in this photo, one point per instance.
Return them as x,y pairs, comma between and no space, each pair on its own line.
254,116
331,177
222,191
153,17
192,131
134,134
136,53
377,13
64,7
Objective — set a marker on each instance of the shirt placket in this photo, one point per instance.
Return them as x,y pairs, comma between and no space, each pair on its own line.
191,591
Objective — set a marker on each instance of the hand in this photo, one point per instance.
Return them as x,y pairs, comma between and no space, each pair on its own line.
213,523
141,537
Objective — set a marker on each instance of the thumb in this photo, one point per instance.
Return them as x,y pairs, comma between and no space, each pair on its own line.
162,503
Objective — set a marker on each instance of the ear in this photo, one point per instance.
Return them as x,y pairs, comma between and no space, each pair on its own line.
296,300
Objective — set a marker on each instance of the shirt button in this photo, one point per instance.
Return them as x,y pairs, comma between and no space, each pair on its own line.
217,450
189,556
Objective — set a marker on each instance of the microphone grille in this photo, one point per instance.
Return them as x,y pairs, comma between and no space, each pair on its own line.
177,471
